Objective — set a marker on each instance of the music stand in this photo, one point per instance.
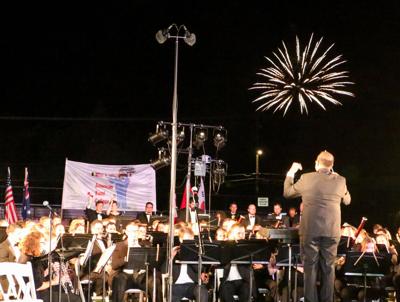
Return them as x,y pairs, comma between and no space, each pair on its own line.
116,237
367,265
189,252
288,236
101,264
159,218
86,259
158,237
73,245
143,258
345,245
203,217
250,252
122,221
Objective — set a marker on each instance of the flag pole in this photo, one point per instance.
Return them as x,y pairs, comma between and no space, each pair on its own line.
189,172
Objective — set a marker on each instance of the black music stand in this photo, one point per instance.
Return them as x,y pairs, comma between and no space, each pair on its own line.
159,238
189,252
288,237
73,245
159,218
367,265
294,260
122,221
143,258
345,245
249,252
116,237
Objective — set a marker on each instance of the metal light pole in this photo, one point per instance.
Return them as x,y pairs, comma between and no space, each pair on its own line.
190,39
258,154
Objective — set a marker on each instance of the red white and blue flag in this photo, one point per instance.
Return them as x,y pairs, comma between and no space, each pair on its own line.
199,196
11,211
184,195
202,195
26,200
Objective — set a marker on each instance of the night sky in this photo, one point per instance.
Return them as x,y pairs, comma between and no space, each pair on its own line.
88,82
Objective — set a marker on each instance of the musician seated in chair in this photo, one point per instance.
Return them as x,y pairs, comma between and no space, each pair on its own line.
236,279
292,220
97,229
233,213
124,279
33,249
185,276
251,220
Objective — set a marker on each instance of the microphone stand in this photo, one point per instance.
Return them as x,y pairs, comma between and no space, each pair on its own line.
60,270
200,256
49,257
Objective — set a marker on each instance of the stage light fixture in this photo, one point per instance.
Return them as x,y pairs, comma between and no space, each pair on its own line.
219,171
200,137
160,134
164,159
181,135
220,137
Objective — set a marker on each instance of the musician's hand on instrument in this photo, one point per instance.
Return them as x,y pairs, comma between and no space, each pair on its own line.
175,250
204,278
272,269
392,250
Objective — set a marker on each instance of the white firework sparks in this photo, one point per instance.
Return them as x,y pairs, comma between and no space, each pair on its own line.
307,78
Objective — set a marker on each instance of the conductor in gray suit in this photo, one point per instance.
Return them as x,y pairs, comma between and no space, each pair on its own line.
322,193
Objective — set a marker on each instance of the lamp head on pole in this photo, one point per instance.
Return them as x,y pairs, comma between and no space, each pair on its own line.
189,38
164,34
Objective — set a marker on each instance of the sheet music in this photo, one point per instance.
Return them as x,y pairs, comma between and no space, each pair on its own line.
88,251
105,256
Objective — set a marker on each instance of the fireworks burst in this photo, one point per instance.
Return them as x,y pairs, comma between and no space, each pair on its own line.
307,78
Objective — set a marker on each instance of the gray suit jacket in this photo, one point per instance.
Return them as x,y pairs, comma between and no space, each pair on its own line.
321,194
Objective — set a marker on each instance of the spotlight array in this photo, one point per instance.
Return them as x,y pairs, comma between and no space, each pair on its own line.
197,135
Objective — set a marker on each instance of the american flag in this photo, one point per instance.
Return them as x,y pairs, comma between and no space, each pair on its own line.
26,201
11,211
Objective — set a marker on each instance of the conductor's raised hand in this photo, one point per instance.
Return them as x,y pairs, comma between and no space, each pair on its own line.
295,167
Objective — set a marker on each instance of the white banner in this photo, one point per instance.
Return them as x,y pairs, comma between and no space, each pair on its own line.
131,185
